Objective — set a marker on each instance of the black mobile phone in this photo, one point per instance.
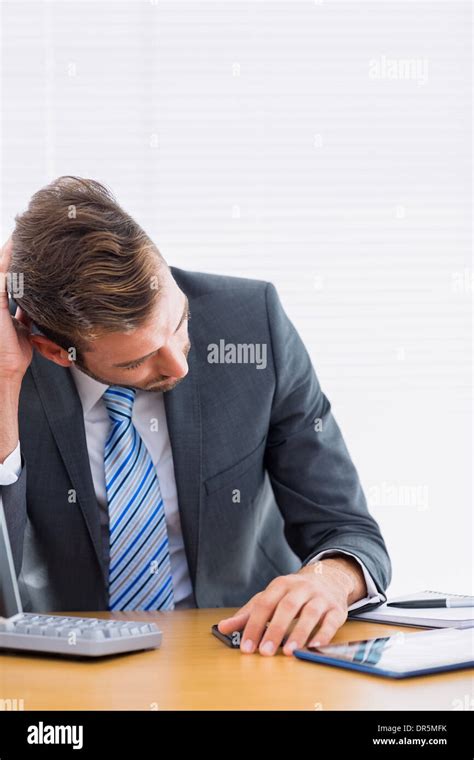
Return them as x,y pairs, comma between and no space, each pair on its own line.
12,305
231,640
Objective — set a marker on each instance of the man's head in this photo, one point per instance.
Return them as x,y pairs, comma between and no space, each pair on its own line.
97,288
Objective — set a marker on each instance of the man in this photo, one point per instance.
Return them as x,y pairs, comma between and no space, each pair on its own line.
151,464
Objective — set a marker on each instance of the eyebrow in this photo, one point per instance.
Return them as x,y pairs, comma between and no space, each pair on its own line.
184,315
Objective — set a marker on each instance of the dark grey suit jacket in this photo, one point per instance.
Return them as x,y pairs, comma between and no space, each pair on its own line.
233,428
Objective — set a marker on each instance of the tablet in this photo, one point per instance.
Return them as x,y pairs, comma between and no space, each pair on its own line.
400,655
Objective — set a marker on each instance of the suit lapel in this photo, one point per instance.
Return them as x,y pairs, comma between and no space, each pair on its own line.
63,409
183,416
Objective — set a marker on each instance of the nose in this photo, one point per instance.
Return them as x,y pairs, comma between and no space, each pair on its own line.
173,362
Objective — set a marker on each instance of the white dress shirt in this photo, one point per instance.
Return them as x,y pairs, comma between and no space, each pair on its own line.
149,419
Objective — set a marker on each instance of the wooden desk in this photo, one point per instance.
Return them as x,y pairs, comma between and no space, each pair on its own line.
195,671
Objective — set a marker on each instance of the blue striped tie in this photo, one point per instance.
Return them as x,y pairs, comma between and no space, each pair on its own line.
139,566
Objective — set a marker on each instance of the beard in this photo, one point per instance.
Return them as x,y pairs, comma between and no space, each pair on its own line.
160,384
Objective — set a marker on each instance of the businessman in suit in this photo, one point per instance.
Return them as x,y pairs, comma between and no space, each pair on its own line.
164,440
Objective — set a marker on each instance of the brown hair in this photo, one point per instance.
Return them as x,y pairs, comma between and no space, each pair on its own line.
87,265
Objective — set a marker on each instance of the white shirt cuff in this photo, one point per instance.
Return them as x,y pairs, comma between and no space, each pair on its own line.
373,596
11,468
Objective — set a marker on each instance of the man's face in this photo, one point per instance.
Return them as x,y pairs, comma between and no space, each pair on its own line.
152,357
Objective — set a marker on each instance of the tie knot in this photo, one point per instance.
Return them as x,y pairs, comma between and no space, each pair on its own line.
119,402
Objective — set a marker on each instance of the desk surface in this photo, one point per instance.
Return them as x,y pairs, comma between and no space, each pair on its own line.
194,671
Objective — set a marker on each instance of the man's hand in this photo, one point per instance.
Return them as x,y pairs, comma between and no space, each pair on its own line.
318,594
16,353
16,350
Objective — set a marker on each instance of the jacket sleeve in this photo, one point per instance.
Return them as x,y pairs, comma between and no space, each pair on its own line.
315,483
14,505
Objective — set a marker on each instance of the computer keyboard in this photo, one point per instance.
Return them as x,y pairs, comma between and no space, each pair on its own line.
74,636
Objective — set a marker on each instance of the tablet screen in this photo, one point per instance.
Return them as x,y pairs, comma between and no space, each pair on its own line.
404,652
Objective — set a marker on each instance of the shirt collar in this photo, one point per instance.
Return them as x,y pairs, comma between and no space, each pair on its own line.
89,390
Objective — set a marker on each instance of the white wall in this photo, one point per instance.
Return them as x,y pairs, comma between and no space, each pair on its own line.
260,139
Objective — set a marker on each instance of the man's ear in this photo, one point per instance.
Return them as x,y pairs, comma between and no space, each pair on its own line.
50,350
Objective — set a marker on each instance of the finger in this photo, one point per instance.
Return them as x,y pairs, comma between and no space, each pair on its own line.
286,611
240,617
4,264
234,623
21,317
310,616
262,611
5,254
332,621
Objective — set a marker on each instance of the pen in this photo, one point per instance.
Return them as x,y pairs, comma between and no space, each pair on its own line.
421,604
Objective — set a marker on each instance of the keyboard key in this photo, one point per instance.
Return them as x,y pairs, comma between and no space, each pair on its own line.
111,633
93,634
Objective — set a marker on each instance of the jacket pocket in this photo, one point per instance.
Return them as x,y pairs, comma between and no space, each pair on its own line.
230,475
